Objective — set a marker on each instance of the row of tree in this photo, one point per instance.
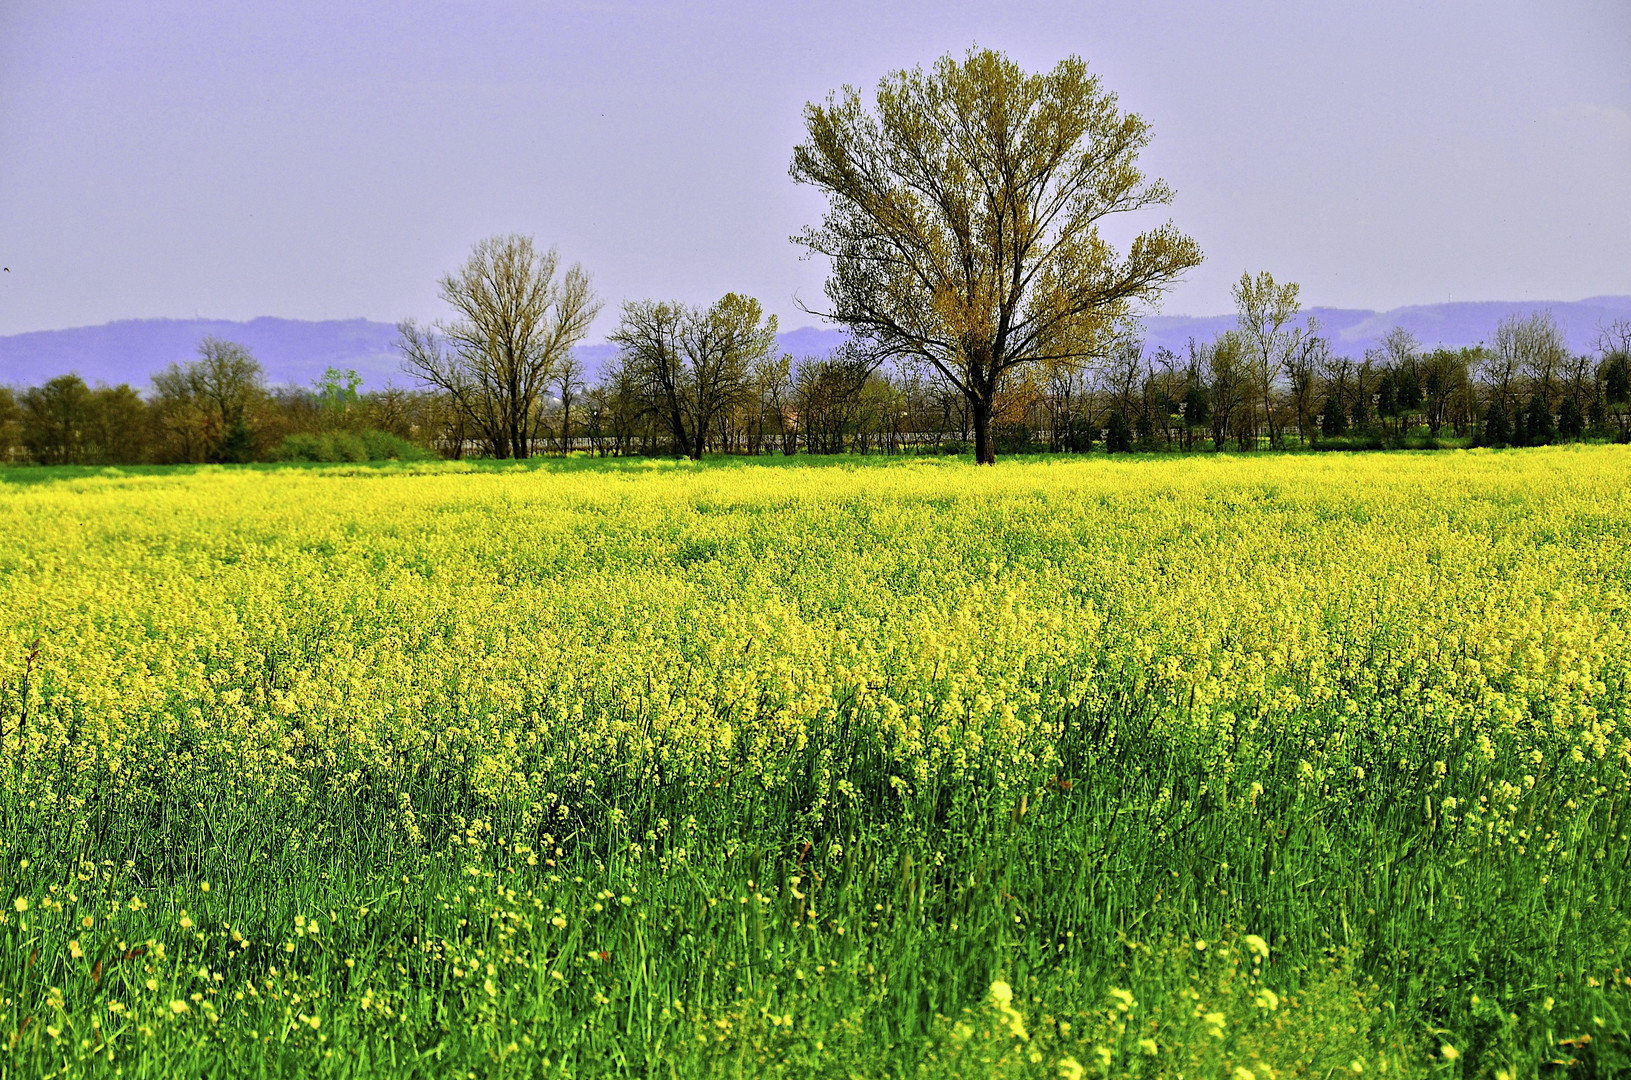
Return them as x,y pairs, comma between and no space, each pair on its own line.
690,380
214,408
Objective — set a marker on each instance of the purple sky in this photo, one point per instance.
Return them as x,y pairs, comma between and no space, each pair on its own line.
327,160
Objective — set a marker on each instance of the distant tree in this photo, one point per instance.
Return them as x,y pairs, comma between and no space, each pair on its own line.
1497,431
337,397
1359,412
568,388
1614,374
1118,435
118,431
205,409
963,220
1410,391
516,324
1520,428
55,419
1571,424
1197,409
1527,350
1387,395
11,426
1264,310
1333,417
1229,384
827,395
1538,421
693,364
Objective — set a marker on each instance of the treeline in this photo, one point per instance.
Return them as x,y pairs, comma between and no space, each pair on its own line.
215,408
692,381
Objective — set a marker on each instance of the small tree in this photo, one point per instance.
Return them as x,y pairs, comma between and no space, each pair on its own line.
56,416
1197,410
516,324
206,408
1359,414
693,364
1538,422
1333,417
337,395
1264,312
1520,427
1118,436
1497,431
11,425
1570,423
568,388
1387,396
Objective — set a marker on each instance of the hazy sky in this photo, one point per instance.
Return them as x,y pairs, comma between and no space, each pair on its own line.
325,160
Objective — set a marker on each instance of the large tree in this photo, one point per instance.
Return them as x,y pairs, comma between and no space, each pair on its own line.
963,220
516,324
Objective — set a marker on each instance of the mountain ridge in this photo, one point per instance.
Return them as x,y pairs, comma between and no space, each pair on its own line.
297,351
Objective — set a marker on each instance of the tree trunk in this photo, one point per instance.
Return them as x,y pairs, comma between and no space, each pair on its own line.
984,451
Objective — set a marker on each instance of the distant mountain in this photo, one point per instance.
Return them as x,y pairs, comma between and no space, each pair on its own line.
134,350
297,352
1453,325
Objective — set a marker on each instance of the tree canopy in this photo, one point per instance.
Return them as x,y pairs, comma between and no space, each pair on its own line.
963,220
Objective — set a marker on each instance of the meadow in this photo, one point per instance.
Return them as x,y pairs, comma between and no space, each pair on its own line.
1225,766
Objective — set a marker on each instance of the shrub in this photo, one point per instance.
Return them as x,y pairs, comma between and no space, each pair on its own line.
341,446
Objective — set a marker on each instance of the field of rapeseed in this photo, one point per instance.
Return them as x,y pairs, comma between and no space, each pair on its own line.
1225,767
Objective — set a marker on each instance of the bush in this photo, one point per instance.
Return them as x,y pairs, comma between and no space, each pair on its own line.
341,446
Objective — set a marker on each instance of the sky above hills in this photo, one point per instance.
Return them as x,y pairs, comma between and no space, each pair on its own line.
178,158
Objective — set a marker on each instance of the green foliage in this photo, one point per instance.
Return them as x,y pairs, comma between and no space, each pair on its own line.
1570,423
1387,396
337,393
340,446
1333,418
1497,430
1118,435
1538,422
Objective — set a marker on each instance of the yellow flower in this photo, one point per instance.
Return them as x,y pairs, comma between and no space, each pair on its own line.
75,951
1450,1053
1257,945
1001,993
179,1007
21,904
1071,1069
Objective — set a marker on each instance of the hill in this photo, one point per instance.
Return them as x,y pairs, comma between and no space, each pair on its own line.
294,351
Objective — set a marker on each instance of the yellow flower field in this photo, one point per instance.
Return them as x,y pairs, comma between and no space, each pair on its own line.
935,729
